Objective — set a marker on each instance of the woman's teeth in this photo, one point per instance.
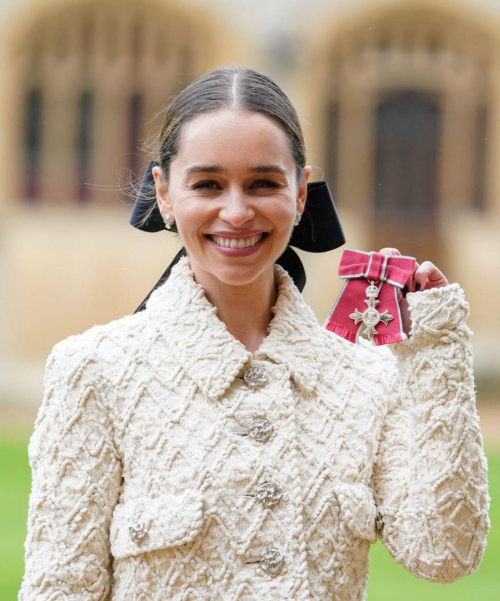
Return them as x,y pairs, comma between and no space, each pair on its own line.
237,242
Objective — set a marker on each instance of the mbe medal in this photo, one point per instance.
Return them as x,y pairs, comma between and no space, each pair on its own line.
381,322
371,317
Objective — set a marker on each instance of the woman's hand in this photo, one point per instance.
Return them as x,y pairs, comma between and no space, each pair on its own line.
424,277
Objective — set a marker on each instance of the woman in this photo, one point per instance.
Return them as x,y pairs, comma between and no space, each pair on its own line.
221,444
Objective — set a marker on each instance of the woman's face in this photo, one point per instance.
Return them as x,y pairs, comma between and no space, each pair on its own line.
233,184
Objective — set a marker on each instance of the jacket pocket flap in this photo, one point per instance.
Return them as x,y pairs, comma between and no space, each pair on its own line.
146,523
358,508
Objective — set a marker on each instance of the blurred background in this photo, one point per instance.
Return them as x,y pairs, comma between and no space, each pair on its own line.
400,106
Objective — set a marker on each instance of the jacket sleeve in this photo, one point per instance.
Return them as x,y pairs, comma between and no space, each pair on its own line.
430,475
76,477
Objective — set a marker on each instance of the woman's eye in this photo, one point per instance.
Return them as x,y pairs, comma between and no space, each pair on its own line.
212,185
207,185
266,183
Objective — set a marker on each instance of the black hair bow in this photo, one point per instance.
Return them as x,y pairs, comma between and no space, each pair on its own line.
318,231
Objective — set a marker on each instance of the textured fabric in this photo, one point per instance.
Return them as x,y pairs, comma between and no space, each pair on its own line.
143,433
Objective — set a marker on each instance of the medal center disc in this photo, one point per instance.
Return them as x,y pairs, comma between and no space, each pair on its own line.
371,317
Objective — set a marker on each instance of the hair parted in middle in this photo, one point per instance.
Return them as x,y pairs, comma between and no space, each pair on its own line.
232,88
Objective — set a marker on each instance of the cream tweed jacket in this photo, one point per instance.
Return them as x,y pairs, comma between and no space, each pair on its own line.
168,462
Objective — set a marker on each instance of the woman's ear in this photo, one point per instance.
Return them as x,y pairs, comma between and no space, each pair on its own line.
161,191
302,191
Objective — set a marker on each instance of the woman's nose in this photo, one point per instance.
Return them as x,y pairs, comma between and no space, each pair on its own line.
236,209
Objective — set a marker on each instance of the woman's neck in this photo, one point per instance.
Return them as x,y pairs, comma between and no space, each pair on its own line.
246,310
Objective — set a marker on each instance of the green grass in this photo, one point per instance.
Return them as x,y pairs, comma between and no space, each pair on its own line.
15,484
388,581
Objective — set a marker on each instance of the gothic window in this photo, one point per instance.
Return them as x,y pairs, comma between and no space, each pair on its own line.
478,199
33,143
136,111
90,78
332,123
84,144
408,128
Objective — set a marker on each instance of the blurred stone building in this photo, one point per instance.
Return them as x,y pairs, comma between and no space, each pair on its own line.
400,104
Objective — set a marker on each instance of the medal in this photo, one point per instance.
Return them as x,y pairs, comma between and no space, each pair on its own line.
371,317
381,321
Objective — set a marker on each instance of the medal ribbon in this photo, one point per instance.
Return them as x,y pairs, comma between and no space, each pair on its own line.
358,268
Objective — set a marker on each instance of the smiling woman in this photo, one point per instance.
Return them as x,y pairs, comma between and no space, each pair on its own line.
221,443
251,190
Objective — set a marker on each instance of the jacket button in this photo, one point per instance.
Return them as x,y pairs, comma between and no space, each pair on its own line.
379,524
255,376
260,429
268,494
137,531
271,560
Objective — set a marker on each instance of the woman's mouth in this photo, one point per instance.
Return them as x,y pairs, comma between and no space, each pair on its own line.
237,242
237,246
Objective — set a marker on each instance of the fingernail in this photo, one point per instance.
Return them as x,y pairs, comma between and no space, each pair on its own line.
417,286
404,291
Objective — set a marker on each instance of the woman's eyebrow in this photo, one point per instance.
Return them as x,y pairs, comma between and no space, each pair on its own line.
218,169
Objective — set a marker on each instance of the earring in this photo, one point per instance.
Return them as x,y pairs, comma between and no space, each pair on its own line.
167,218
298,217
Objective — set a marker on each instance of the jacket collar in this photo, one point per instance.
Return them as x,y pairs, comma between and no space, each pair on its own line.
212,356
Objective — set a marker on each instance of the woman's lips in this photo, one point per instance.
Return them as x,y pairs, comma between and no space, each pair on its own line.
237,252
236,235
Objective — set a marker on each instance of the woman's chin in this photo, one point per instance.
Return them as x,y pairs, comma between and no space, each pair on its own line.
240,275
234,270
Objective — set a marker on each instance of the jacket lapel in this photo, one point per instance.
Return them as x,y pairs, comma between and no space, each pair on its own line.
294,333
210,354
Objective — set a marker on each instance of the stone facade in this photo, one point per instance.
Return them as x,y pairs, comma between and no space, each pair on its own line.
399,103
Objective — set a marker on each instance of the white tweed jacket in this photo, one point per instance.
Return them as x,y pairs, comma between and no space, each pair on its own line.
165,467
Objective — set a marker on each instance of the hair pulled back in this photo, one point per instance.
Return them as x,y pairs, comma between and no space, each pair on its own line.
233,88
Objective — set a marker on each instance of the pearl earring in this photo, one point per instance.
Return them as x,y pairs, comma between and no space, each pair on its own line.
298,217
167,218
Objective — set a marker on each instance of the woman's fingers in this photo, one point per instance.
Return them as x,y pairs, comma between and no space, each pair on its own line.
424,277
429,276
410,284
388,250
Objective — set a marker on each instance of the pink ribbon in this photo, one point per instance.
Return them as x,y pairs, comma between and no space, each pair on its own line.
358,268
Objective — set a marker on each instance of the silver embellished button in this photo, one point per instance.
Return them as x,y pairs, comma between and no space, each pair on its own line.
255,376
268,494
379,524
260,429
271,560
137,531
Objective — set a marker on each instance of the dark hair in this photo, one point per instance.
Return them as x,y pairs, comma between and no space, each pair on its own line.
237,88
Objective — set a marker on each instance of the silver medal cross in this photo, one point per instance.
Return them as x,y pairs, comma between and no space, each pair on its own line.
371,317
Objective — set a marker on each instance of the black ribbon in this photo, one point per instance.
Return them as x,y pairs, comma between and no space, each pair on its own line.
318,231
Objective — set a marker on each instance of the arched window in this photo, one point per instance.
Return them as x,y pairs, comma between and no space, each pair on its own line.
93,76
406,108
84,144
332,141
32,143
480,155
135,120
408,127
